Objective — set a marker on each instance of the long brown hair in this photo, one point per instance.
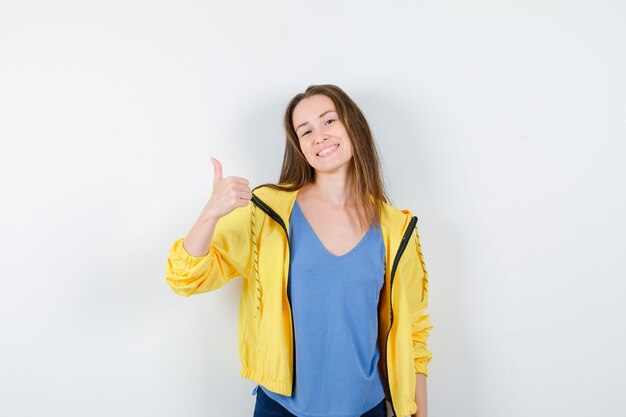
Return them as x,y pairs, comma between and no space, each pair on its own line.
365,168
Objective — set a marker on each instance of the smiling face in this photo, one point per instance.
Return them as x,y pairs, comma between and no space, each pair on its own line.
322,135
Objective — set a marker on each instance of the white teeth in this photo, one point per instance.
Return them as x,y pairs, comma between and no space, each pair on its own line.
328,150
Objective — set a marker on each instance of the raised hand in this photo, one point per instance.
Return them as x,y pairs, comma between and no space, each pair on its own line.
227,194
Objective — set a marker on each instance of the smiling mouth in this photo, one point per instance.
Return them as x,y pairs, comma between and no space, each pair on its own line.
328,152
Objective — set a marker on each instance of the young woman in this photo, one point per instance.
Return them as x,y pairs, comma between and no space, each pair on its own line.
332,319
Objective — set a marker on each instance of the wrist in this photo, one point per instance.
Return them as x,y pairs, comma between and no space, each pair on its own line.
208,219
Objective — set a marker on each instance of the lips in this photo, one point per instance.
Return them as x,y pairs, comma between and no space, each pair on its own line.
335,146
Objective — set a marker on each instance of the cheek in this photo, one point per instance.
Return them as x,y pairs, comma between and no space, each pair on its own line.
306,150
343,133
348,146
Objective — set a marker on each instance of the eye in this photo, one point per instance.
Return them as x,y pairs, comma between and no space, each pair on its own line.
329,121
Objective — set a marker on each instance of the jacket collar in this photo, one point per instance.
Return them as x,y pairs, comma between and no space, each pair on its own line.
394,220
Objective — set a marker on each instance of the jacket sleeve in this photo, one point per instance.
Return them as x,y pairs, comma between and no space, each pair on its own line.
229,256
416,282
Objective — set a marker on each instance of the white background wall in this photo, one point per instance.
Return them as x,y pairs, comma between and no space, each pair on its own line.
502,125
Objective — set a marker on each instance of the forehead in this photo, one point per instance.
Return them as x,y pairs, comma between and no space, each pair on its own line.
309,109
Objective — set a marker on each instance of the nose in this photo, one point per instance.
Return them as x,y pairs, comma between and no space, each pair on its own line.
320,137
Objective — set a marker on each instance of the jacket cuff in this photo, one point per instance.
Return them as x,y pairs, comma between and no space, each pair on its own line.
180,254
421,366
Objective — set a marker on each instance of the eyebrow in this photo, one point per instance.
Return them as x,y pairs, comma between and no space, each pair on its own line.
320,116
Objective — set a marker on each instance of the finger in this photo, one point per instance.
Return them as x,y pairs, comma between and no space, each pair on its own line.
240,180
242,188
244,195
217,171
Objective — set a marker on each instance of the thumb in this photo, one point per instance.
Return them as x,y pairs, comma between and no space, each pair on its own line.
217,171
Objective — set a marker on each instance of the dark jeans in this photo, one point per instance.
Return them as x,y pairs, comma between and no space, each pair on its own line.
267,407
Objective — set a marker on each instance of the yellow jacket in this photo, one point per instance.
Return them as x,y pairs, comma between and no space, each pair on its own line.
252,242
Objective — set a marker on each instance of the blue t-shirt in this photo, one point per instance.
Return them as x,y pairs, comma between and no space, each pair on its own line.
334,300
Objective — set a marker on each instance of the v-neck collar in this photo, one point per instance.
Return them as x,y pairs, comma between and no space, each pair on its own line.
308,225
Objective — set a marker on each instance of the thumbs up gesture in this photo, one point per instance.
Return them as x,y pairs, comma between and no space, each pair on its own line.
227,194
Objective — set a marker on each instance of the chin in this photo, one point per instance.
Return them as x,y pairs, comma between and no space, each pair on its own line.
330,168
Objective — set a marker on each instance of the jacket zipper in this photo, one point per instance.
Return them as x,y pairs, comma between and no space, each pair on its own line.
270,212
403,243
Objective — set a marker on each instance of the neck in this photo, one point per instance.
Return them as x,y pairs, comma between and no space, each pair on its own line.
331,189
